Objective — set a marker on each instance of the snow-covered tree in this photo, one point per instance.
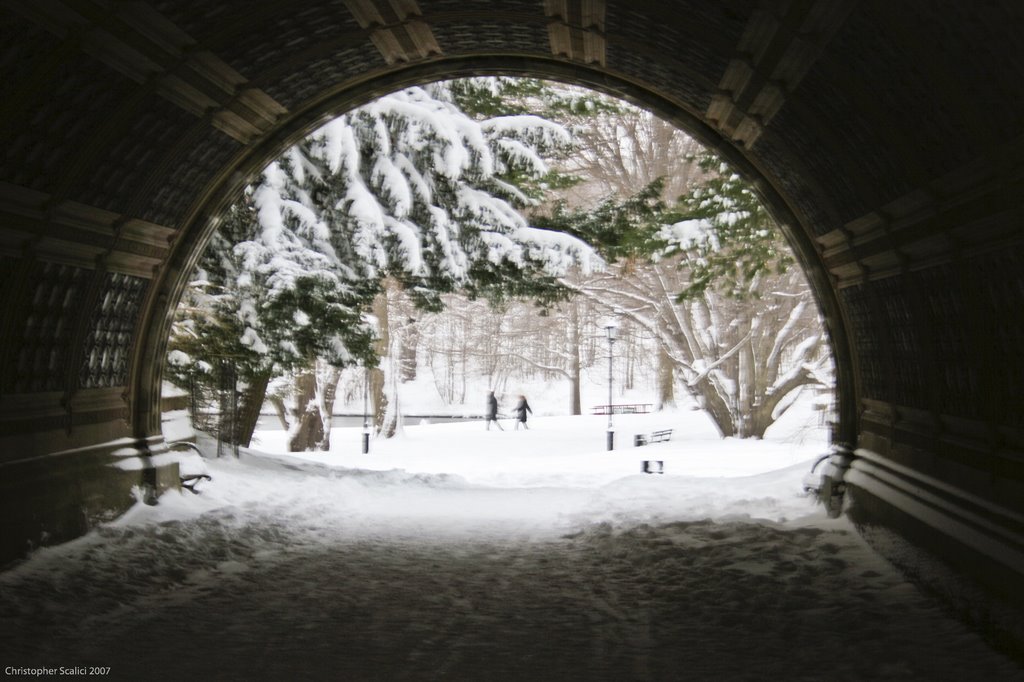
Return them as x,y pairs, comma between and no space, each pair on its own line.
742,359
408,188
621,149
715,283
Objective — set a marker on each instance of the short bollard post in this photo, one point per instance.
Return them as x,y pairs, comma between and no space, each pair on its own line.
653,466
366,442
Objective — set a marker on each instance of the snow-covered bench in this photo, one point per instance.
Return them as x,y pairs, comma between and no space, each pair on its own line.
652,437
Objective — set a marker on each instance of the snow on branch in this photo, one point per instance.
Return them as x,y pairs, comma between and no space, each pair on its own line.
533,129
706,370
686,234
558,251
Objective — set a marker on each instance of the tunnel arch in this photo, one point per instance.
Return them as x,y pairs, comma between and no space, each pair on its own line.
195,234
887,138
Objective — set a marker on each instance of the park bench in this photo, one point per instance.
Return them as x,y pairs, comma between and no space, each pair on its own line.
652,437
191,481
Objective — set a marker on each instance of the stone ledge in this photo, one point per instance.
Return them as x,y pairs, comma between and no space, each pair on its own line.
56,497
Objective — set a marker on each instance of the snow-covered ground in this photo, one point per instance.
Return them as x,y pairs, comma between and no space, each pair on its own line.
457,553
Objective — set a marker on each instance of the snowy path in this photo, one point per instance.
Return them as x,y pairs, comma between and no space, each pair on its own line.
287,570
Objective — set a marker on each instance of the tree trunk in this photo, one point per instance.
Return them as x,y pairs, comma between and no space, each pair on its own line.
410,343
327,391
666,380
309,427
748,390
384,421
716,405
575,400
249,406
282,411
630,367
378,400
463,372
759,421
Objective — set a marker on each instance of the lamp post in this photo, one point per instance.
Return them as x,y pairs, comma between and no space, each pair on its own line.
610,331
366,412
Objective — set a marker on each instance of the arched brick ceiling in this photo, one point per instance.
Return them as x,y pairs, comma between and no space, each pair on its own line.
879,125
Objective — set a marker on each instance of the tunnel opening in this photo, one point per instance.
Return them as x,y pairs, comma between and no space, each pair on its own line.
220,195
755,306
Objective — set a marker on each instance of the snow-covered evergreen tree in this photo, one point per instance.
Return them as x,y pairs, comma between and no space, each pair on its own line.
409,188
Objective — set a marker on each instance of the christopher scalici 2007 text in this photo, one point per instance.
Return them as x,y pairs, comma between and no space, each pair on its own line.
85,671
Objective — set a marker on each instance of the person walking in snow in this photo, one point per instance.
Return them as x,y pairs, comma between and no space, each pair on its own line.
492,411
522,407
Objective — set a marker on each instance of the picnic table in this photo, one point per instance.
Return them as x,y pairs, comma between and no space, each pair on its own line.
622,408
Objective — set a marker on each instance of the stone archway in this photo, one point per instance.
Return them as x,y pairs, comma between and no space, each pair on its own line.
886,137
226,189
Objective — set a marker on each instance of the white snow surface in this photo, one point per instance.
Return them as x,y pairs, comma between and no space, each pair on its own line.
457,553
